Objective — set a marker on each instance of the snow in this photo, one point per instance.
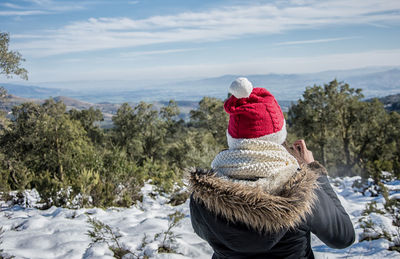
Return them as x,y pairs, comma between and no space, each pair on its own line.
62,233
354,203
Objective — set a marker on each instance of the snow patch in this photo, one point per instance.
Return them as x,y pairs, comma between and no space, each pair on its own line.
61,233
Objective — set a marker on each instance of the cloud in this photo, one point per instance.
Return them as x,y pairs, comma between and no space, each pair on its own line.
21,13
211,25
33,7
263,65
39,2
154,52
11,5
313,41
338,61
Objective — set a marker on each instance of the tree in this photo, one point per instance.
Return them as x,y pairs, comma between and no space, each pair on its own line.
170,115
89,120
394,139
3,119
44,138
210,115
350,135
141,131
10,61
312,119
370,147
345,106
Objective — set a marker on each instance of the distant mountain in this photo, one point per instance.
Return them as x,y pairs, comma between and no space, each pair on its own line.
74,103
108,109
35,92
291,86
391,102
10,101
375,82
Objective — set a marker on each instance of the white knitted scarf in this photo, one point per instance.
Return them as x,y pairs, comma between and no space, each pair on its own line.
257,163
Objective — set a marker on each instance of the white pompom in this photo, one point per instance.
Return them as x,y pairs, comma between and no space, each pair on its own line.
241,88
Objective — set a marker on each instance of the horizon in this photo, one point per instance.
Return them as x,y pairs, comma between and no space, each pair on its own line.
362,70
167,41
374,82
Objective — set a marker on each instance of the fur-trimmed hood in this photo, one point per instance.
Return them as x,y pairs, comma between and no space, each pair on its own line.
253,206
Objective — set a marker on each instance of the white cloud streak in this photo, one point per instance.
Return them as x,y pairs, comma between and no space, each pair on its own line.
21,13
34,7
154,52
213,25
301,42
13,6
265,65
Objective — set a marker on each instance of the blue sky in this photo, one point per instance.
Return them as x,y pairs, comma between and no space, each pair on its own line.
163,40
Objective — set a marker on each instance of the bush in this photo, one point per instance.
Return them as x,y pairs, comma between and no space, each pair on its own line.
179,198
14,175
161,175
389,210
53,192
103,233
168,242
72,162
85,186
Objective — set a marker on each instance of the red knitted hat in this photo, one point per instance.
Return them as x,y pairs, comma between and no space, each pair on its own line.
254,113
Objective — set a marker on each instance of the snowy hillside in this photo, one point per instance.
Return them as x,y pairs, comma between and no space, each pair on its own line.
61,233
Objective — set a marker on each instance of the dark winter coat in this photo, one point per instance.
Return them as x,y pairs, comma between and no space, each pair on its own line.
245,222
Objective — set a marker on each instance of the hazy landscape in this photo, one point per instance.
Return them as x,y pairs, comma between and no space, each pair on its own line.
375,82
107,106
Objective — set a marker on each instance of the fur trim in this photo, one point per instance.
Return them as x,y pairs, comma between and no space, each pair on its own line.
254,207
317,167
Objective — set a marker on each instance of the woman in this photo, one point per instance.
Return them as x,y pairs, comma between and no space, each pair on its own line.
262,199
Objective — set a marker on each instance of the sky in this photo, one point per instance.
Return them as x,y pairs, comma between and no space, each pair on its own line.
161,40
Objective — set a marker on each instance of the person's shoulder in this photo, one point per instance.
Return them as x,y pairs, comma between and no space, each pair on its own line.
318,168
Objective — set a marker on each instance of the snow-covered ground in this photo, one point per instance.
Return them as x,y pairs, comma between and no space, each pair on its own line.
61,233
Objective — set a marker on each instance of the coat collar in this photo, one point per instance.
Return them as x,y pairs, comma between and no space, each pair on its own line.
259,210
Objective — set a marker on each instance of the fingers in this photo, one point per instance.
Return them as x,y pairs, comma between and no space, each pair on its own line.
300,143
301,149
308,157
295,150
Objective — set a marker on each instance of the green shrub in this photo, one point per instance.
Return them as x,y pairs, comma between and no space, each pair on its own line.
372,207
14,175
103,233
391,209
53,192
169,237
85,184
179,198
161,175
